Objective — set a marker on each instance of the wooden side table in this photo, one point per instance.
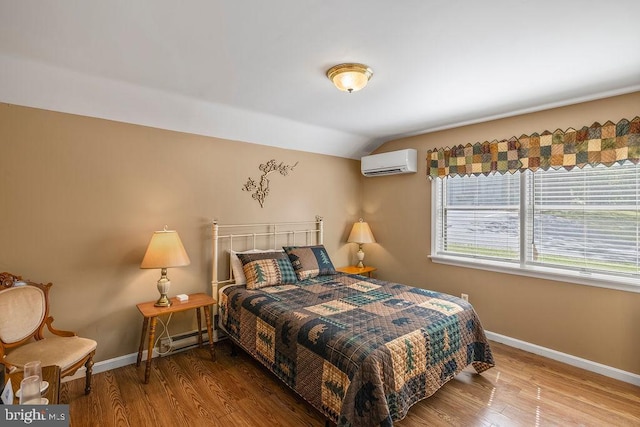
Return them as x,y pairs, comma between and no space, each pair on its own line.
150,313
362,271
50,374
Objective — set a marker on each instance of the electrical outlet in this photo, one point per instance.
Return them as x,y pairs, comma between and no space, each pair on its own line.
165,345
464,297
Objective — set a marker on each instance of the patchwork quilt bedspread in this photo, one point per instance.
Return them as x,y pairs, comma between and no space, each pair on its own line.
360,350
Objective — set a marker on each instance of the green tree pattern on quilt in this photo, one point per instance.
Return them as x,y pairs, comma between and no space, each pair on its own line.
410,358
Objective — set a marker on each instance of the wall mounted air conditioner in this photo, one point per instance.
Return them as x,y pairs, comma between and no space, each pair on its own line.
391,163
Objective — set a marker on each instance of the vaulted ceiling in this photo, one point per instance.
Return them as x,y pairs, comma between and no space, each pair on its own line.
254,70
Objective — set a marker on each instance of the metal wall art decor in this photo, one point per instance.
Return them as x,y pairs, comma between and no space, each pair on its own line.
261,189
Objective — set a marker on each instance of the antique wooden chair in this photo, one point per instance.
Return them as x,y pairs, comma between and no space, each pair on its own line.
24,312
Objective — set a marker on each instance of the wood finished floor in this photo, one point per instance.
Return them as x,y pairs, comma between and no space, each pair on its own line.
189,389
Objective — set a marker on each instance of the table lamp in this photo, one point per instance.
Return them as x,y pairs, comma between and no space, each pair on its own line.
361,233
165,250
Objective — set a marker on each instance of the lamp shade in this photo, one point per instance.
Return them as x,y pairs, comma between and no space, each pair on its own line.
165,250
361,233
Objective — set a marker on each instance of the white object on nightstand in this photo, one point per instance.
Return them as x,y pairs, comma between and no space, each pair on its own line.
182,297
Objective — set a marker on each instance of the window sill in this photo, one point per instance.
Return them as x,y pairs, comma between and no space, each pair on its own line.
589,279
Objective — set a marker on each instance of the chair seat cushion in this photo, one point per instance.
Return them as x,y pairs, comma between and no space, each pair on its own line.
61,351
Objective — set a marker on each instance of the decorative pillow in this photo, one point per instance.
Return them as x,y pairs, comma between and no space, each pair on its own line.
267,269
236,264
310,261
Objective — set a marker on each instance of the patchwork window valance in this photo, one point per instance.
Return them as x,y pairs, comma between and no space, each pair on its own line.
593,145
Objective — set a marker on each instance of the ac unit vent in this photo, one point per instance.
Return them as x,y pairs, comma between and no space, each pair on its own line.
384,172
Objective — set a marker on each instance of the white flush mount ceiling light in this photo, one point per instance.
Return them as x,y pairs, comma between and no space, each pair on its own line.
350,77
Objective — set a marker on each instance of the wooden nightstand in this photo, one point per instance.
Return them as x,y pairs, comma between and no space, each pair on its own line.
352,269
151,313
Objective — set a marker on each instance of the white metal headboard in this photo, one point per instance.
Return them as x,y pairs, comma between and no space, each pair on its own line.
240,237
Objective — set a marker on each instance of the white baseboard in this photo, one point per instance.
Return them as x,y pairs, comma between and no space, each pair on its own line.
130,359
599,368
109,364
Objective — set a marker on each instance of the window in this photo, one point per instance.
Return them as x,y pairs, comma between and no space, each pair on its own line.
581,225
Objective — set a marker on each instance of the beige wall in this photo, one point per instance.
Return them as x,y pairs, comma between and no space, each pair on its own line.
593,323
82,196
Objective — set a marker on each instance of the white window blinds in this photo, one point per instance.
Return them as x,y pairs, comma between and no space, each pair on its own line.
479,216
585,219
582,222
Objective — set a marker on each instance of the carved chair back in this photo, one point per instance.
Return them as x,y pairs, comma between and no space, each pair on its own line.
24,310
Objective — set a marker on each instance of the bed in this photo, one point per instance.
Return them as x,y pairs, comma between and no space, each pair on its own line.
360,350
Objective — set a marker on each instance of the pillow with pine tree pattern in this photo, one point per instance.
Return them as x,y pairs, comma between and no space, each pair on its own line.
267,269
310,261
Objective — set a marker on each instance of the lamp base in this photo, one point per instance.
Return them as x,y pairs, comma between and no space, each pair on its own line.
360,255
163,301
163,287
